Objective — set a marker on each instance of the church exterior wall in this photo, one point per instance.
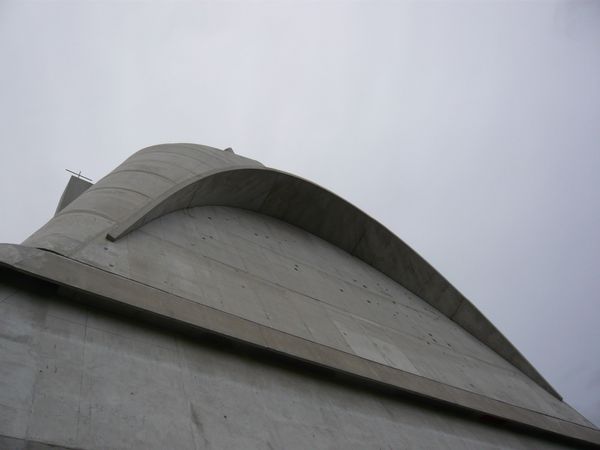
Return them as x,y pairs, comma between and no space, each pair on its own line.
74,376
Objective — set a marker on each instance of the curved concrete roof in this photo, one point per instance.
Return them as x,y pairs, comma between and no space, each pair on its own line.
324,214
164,178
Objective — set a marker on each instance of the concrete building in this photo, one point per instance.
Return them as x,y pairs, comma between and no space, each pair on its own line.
194,298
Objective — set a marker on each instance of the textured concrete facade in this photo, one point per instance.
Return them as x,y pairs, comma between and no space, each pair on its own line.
332,333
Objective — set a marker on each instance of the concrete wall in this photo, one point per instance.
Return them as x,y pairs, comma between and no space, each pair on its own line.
272,273
76,377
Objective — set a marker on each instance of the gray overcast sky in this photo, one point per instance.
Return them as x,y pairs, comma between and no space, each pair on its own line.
471,129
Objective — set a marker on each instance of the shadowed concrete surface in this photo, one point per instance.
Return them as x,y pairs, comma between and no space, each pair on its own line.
193,240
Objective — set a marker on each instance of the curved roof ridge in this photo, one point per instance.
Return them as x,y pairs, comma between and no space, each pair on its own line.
328,216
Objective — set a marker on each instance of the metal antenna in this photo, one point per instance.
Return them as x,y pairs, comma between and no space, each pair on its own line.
79,175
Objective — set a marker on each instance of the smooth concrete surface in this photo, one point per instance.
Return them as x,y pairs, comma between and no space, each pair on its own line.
75,377
162,179
141,298
278,275
75,187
